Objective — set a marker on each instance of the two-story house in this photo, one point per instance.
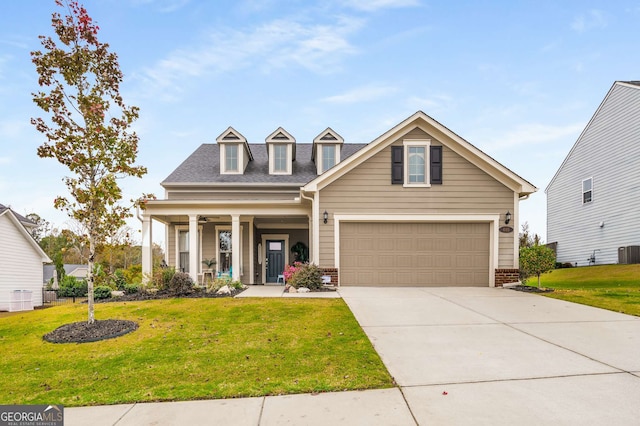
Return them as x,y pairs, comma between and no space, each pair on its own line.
417,206
594,199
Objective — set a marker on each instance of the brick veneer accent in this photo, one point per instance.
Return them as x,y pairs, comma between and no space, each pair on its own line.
506,276
333,273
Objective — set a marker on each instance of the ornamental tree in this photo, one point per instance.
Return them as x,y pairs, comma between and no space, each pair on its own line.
536,260
88,126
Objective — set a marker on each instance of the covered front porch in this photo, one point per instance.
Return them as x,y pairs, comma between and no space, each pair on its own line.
251,244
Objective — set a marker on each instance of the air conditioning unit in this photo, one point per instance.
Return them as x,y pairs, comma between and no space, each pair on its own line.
629,254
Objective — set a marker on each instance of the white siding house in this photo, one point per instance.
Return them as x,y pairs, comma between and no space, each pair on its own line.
21,260
593,201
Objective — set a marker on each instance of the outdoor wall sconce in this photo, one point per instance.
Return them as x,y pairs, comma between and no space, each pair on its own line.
507,218
325,217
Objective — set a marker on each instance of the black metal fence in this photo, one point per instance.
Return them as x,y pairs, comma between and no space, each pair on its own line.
51,298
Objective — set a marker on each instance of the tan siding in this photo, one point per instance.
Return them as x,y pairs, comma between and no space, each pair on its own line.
368,190
171,245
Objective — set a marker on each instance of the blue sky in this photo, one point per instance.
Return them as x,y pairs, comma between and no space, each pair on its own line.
518,79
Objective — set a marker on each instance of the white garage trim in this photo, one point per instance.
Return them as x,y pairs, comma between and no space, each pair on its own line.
492,219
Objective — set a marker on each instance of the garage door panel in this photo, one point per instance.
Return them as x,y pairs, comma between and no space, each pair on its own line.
414,254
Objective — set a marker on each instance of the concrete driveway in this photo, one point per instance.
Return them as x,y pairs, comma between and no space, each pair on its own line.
497,356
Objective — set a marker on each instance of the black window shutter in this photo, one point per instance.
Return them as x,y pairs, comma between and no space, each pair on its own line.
436,164
397,170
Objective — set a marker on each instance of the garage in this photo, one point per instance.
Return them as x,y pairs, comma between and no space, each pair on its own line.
414,254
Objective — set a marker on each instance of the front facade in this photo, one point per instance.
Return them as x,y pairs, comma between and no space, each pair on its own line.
418,206
592,201
21,260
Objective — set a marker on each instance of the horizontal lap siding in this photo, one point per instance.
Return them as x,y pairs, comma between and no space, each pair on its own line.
368,190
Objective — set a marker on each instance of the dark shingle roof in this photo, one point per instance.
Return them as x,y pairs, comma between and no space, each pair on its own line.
636,83
203,166
17,215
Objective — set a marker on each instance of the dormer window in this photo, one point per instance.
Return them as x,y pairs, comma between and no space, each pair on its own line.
281,148
234,152
231,158
326,150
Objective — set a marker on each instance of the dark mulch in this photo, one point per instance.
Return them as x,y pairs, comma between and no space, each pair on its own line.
530,289
167,295
83,332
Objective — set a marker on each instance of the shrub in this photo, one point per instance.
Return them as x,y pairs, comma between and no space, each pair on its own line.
101,292
305,275
162,277
72,287
180,284
133,274
118,279
130,288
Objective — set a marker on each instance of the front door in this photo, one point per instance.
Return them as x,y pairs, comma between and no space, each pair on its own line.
275,260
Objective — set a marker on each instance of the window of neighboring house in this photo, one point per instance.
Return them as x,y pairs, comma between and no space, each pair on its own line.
280,158
231,158
587,191
183,251
328,157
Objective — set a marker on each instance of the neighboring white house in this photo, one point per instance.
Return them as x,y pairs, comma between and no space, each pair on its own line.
593,200
75,270
21,260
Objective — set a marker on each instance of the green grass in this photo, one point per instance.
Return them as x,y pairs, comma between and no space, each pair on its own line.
189,349
613,287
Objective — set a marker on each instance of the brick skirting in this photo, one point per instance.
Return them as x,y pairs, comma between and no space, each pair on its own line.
506,276
333,273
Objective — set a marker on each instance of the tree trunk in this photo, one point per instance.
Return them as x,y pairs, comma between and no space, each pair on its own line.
539,280
92,318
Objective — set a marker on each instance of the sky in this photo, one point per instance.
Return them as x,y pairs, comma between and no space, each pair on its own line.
518,79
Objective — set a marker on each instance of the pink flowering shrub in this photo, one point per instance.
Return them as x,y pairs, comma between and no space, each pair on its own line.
303,275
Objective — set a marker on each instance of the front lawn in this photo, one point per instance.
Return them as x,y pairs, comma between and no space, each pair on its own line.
189,349
613,287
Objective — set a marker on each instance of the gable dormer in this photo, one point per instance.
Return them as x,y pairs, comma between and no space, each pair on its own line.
234,152
281,149
326,150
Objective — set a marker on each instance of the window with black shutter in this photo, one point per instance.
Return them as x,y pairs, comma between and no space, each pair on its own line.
436,164
397,170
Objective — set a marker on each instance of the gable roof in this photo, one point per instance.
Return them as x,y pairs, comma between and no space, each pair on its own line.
25,221
629,84
27,236
449,138
202,167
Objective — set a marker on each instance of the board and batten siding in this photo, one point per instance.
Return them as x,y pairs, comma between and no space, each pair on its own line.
609,152
21,264
367,189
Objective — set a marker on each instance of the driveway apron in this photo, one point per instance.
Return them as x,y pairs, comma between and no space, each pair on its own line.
498,356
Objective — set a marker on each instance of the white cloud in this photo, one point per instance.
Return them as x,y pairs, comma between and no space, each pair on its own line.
433,103
593,19
361,94
278,44
6,160
373,5
533,134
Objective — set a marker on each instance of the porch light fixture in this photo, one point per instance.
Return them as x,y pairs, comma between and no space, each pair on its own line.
507,218
325,216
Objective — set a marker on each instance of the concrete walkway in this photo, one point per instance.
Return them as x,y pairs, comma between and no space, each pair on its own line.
460,356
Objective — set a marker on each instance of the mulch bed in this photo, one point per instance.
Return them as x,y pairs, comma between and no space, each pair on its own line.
529,289
167,295
83,332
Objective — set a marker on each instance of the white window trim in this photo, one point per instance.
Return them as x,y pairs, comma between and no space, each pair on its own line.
272,158
177,252
320,156
426,144
223,160
582,191
219,228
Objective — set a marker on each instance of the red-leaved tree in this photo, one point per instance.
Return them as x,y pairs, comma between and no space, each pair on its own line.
88,130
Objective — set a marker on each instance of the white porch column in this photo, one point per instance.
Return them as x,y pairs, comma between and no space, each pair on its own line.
147,249
235,247
193,247
251,249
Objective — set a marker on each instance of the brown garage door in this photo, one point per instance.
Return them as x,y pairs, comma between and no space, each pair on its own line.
414,254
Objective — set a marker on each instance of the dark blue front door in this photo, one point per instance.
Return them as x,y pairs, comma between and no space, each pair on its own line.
275,260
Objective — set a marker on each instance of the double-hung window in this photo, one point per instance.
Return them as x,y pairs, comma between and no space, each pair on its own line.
231,158
328,157
416,160
280,158
587,191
